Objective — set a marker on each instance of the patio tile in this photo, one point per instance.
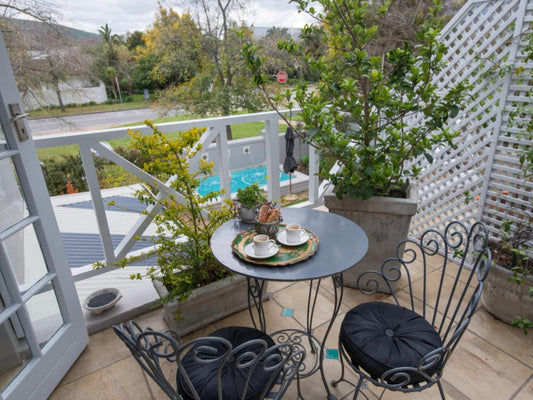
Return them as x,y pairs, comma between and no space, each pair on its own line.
121,380
492,361
296,297
275,286
482,371
527,392
274,320
431,393
103,350
502,335
287,312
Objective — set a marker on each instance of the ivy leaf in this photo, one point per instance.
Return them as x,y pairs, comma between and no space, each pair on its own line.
429,157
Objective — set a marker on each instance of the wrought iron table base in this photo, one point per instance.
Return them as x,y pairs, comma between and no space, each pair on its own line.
255,296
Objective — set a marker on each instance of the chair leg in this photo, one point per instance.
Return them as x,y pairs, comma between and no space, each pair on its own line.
358,387
441,390
333,383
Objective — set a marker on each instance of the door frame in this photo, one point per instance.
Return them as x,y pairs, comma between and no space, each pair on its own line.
49,364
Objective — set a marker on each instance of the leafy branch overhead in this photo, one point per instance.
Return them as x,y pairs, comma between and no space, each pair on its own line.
373,115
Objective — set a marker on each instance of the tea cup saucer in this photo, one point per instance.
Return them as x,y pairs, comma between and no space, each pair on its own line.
282,238
250,251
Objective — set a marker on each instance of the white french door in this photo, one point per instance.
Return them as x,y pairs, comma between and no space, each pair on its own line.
42,330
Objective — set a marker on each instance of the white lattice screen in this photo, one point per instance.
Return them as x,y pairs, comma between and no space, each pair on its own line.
483,39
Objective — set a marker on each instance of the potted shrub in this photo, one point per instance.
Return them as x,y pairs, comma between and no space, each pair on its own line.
508,293
249,199
372,115
188,278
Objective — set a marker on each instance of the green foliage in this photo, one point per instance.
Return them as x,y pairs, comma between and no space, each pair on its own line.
173,48
183,265
361,111
60,170
523,323
251,196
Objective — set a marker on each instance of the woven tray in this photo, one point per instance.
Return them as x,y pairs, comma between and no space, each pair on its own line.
286,255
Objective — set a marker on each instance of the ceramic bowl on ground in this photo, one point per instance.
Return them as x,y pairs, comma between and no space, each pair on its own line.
101,300
270,229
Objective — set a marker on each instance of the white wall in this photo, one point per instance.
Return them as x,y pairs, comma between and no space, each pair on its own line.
74,91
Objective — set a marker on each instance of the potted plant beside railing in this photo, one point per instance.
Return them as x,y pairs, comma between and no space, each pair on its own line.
188,278
373,115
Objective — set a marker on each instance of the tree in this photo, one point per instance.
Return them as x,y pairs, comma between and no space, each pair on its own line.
59,58
173,44
20,41
43,53
404,21
134,40
223,85
111,60
277,59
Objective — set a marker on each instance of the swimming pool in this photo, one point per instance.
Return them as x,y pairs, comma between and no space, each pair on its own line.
239,179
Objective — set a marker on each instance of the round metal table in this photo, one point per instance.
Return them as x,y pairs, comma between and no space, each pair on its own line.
342,243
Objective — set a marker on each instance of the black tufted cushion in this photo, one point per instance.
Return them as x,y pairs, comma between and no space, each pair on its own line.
379,336
204,376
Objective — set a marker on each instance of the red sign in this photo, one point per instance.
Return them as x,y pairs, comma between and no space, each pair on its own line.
282,77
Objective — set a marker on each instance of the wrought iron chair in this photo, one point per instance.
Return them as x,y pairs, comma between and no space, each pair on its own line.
231,363
406,349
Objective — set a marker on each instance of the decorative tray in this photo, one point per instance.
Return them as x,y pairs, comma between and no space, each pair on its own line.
286,255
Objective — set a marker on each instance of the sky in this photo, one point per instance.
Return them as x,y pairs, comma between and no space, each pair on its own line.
130,15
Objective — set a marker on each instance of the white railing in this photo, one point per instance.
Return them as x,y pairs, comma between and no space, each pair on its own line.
93,142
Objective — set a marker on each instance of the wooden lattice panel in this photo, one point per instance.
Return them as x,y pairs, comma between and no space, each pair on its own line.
481,174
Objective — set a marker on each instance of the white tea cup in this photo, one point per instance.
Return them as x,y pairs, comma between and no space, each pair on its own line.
263,245
293,232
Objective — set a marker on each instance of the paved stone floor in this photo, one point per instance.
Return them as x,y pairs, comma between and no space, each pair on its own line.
493,360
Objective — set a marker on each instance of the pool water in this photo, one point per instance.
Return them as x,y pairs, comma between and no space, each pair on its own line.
239,179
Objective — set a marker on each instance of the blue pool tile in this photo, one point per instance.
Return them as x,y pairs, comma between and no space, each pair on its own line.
287,312
332,354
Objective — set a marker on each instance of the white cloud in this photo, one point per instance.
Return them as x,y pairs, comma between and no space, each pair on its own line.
130,15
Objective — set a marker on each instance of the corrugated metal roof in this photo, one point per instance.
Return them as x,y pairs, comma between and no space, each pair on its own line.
86,248
120,203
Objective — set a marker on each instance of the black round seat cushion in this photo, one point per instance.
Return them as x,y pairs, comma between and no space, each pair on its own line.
379,336
204,376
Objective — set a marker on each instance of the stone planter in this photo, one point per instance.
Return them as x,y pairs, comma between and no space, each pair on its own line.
507,300
385,220
246,215
207,304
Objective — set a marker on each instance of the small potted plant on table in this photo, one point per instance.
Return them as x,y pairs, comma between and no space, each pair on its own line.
249,199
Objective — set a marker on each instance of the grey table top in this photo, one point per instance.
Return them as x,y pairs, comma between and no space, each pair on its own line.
342,243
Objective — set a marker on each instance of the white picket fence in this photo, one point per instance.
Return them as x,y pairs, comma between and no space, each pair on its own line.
481,177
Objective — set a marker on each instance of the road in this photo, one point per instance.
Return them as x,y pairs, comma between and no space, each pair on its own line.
84,122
